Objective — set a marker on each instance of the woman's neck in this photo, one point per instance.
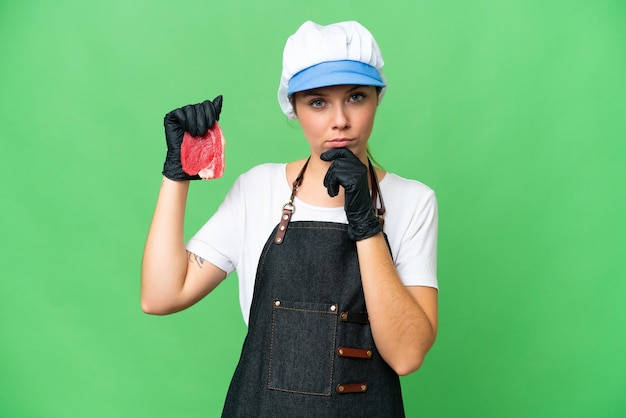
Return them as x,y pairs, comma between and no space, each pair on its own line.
311,189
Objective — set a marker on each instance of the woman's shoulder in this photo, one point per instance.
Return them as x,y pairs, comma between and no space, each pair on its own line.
264,173
261,183
266,168
406,200
273,172
397,185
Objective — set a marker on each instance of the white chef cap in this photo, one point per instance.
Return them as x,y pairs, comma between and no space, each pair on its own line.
319,56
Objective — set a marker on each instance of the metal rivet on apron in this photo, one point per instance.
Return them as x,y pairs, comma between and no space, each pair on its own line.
341,351
282,227
363,388
333,308
276,303
278,240
369,353
340,388
285,217
344,316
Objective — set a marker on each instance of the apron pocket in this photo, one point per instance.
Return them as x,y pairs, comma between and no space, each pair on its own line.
302,347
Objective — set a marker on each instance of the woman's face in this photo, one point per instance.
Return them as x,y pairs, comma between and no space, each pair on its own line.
337,117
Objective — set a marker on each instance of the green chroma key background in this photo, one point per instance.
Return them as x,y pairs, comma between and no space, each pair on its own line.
513,111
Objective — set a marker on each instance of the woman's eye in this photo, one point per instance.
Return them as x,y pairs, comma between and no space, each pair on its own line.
357,97
317,103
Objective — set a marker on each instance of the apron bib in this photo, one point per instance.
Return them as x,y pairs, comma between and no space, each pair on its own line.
309,350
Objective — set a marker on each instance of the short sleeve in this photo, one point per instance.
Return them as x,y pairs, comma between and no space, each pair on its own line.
416,259
220,239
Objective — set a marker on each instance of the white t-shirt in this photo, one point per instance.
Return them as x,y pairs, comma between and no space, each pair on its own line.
233,238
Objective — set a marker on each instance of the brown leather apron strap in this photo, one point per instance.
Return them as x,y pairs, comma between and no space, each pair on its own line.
356,317
365,353
351,388
377,195
289,208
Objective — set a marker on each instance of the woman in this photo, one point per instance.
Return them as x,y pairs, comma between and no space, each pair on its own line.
338,304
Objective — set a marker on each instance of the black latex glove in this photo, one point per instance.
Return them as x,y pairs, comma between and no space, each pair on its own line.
348,171
196,119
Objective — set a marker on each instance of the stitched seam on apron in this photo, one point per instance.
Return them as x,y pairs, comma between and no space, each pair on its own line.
293,226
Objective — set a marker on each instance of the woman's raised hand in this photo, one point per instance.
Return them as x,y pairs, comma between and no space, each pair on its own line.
195,119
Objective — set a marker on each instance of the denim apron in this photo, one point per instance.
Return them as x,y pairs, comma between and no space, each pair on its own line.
309,350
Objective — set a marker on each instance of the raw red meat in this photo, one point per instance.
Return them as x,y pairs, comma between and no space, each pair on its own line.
204,155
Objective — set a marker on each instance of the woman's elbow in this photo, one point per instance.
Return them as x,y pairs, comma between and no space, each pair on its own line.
152,306
407,366
150,309
409,361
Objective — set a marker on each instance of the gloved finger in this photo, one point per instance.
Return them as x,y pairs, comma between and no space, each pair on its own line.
217,106
202,124
175,117
333,154
331,182
209,111
191,124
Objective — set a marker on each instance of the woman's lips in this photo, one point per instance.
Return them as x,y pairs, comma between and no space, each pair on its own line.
339,142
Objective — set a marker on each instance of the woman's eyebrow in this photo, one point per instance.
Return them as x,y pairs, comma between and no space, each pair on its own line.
313,93
317,92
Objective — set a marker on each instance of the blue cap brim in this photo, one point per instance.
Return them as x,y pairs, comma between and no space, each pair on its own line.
333,73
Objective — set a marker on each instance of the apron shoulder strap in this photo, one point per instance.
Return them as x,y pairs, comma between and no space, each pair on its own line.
376,195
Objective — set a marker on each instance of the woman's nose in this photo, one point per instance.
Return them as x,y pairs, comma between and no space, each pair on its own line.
340,118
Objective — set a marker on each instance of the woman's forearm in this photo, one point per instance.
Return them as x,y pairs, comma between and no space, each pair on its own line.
164,264
403,319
